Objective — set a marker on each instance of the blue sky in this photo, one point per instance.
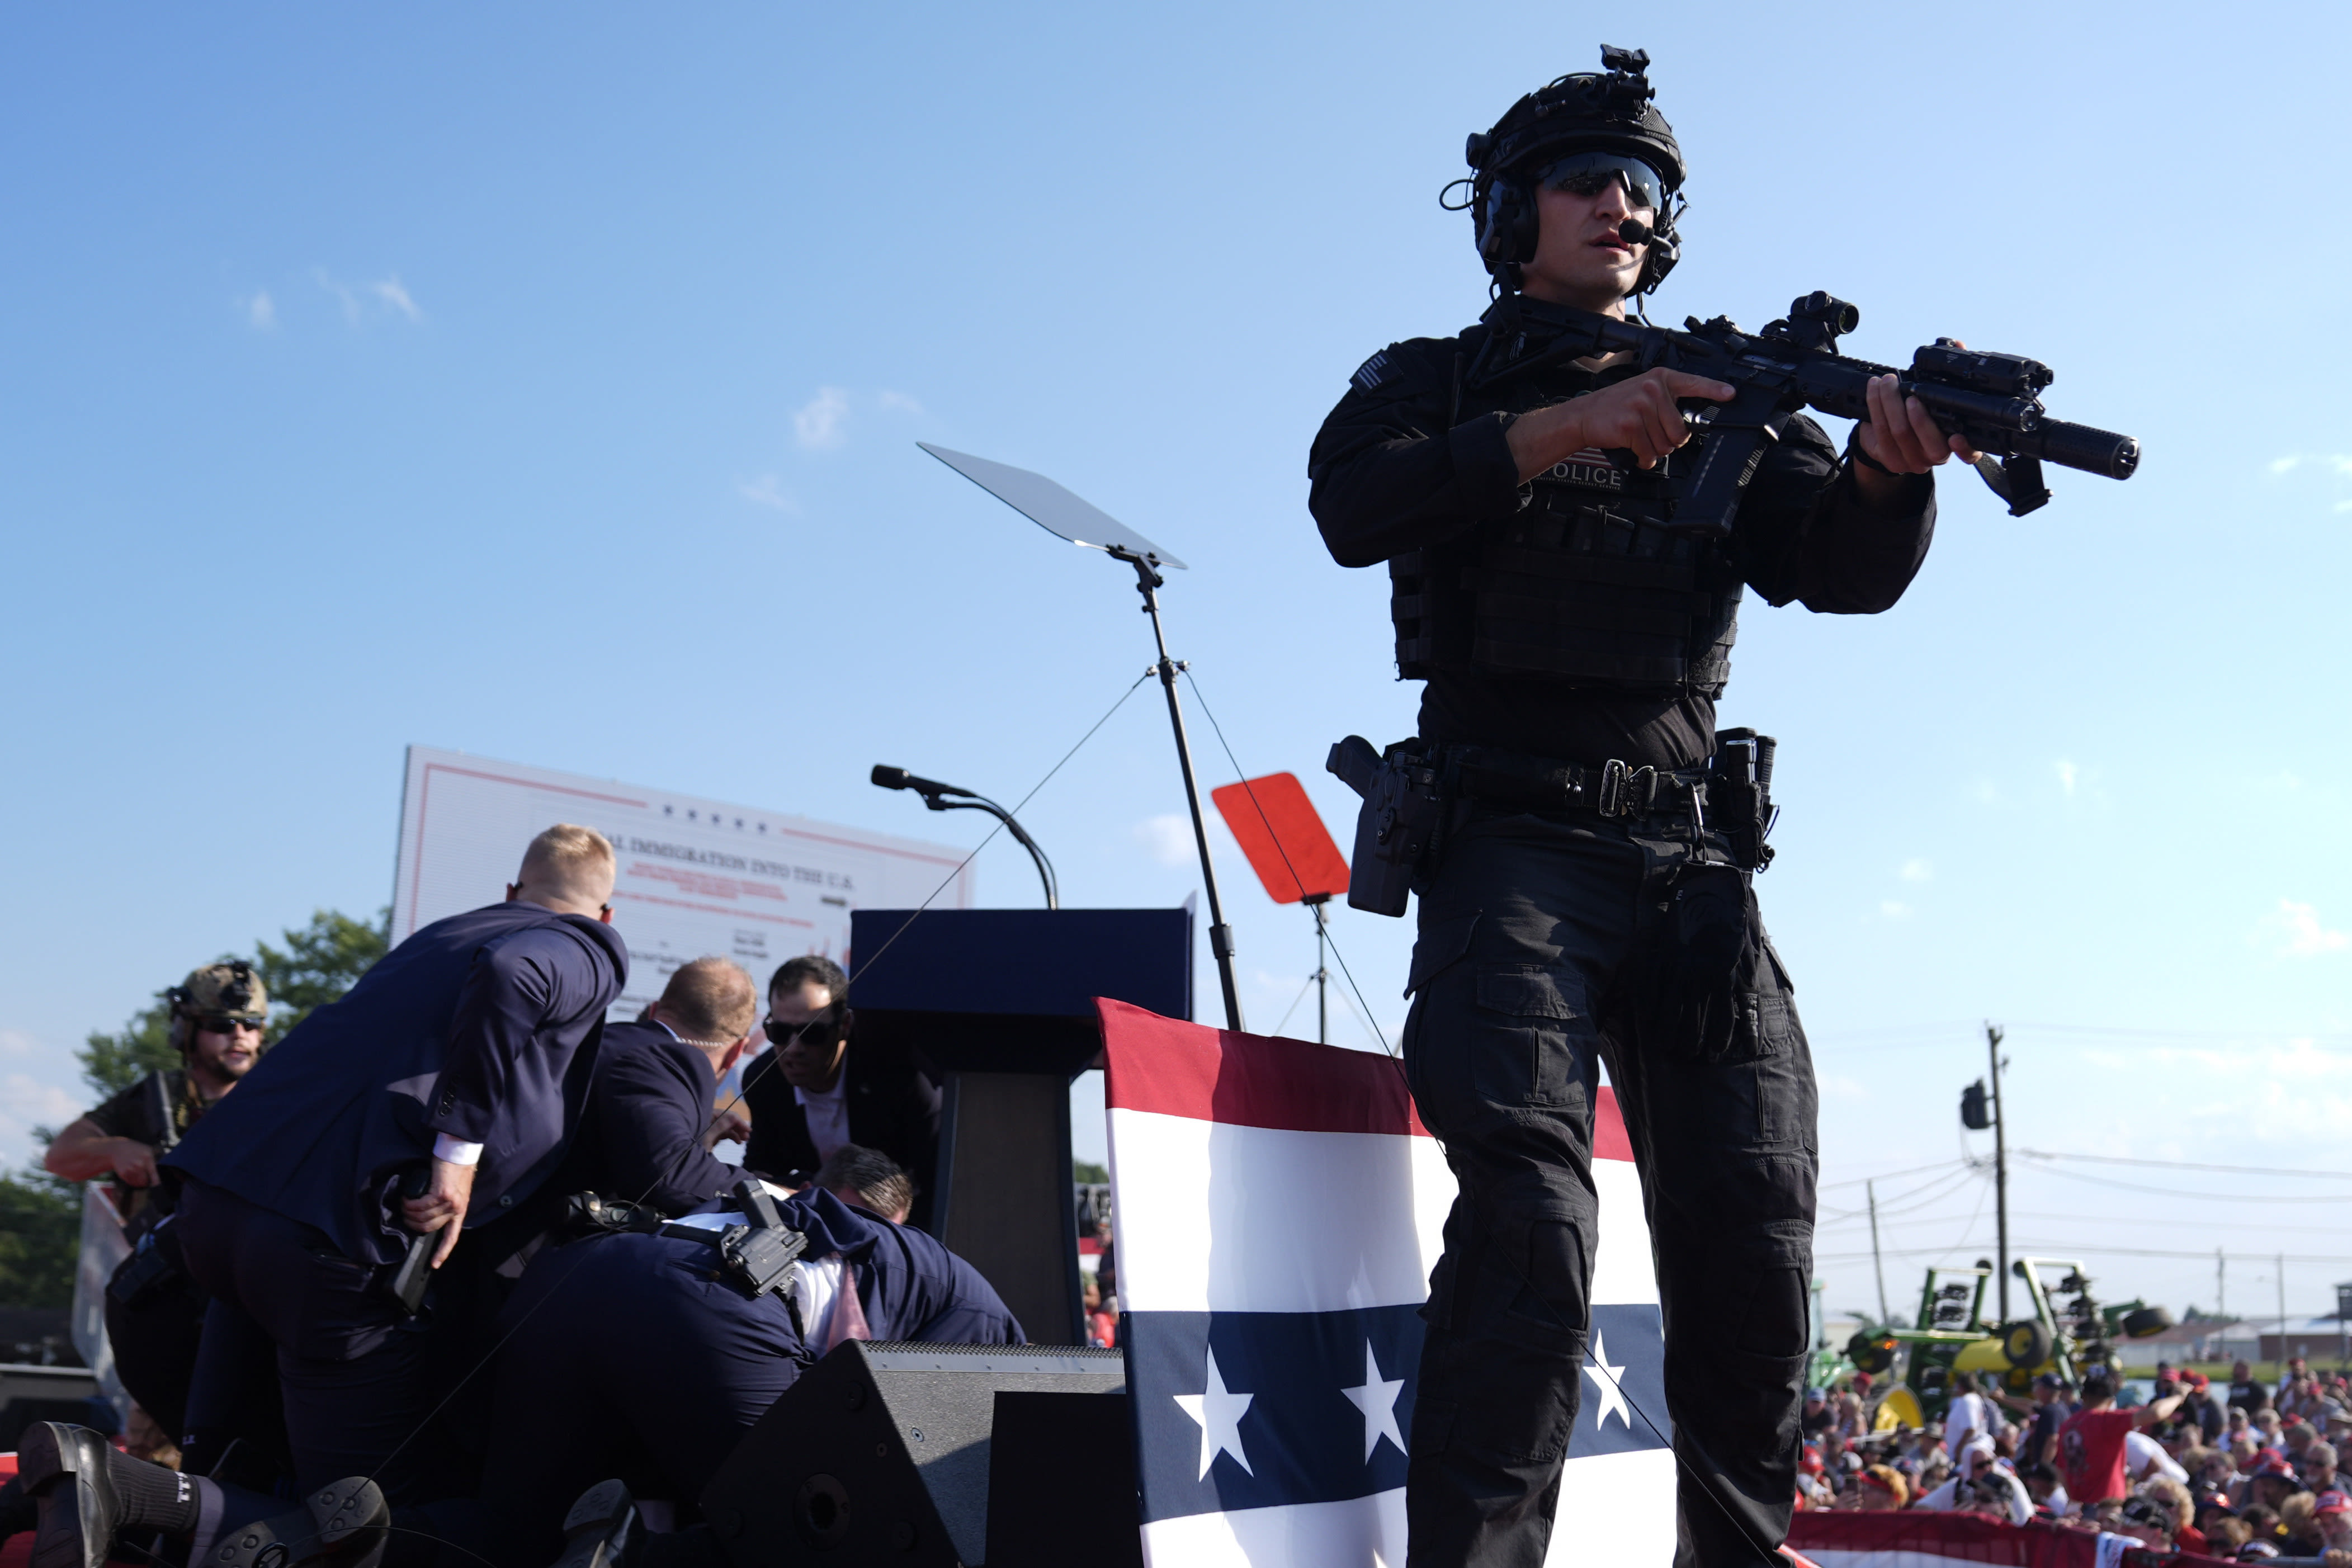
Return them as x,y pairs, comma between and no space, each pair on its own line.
546,385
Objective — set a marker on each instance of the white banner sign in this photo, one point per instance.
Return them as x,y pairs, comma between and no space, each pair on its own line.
696,875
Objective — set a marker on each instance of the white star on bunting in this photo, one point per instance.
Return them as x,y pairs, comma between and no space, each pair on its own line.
1377,1397
1612,1397
1219,1414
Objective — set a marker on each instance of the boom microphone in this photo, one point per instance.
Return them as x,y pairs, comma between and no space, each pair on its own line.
1634,231
899,778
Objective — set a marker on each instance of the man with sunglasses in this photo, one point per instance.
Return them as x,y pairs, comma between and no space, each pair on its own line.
154,1316
817,1090
1583,904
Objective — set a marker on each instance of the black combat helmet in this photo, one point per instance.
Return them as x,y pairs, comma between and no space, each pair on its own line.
1603,111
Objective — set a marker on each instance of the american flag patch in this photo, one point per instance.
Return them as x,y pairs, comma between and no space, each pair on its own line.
1372,373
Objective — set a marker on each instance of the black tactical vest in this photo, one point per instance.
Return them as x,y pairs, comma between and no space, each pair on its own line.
1582,585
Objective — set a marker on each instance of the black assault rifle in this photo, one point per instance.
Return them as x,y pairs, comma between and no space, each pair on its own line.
1992,399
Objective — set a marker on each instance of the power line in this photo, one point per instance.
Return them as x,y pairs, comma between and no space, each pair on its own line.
2208,1197
1927,1192
2185,1165
1888,1176
2057,1249
2172,1222
1907,1038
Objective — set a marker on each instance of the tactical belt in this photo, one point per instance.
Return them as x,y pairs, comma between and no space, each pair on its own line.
758,1255
1615,789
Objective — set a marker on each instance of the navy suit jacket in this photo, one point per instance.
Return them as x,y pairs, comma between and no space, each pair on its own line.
474,1027
641,1140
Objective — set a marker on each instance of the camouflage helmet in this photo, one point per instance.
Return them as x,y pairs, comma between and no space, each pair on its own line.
218,991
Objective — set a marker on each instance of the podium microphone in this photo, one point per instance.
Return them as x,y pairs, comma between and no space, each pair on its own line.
934,795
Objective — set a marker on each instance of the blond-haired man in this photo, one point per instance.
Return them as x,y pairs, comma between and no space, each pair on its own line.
456,1064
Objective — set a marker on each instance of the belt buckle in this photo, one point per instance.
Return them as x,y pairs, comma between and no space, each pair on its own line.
1626,791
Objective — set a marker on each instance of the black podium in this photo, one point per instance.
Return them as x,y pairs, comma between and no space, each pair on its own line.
1000,1002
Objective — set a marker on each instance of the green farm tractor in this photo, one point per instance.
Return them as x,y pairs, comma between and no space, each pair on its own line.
2069,1333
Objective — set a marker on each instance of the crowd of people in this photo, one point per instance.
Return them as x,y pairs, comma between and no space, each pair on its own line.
459,1211
2248,1471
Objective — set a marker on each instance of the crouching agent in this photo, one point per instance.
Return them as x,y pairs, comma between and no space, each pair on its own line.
647,1348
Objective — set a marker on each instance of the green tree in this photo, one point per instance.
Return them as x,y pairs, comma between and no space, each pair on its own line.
112,1063
40,1216
318,964
40,1235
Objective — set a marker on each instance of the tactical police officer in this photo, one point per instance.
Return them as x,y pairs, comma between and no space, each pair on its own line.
154,1313
1581,906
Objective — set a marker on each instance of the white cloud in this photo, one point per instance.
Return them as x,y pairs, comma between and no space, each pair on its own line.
261,312
819,425
2342,506
2067,774
2296,933
2339,462
1837,1085
17,1043
391,291
26,1102
1891,910
1166,839
768,492
388,293
898,403
2295,1093
1917,871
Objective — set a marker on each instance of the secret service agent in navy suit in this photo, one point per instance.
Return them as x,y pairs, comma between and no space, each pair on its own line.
645,1357
645,1136
465,1052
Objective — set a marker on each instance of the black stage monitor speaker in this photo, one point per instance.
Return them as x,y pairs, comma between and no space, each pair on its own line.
1061,1482
881,1454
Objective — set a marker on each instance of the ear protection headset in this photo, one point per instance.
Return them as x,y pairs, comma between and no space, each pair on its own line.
1605,110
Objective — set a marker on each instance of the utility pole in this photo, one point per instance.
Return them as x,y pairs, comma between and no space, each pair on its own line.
2000,1164
1877,1262
2282,1307
2220,1286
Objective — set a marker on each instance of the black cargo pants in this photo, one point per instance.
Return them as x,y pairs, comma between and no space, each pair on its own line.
1541,944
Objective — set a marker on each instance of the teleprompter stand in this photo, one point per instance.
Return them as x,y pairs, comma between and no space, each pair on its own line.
1067,516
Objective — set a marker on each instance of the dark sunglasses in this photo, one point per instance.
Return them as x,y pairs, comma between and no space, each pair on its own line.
227,1025
820,1031
1590,174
